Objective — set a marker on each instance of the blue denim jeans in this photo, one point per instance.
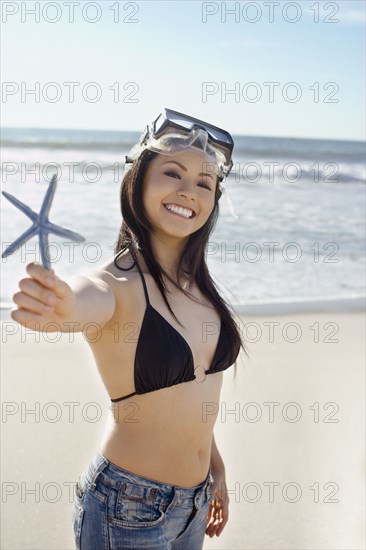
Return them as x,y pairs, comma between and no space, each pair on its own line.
115,509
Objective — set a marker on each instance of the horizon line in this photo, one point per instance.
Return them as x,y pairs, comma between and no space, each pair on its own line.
140,131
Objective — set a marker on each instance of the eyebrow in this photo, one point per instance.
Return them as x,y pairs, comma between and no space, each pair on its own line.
185,169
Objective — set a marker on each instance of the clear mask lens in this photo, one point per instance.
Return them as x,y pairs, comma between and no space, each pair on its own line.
175,140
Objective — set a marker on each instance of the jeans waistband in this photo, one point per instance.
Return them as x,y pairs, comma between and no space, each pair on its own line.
114,476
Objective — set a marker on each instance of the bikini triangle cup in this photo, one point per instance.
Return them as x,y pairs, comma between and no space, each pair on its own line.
163,356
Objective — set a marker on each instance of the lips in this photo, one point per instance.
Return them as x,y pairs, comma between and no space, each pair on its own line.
179,206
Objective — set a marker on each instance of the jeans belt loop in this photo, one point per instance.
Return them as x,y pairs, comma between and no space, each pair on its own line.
78,490
102,465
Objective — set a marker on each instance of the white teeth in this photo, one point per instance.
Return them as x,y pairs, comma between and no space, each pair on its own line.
182,211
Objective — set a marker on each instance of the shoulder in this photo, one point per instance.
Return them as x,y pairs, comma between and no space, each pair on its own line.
123,284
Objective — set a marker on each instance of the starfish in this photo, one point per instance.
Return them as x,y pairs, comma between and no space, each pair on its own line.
41,225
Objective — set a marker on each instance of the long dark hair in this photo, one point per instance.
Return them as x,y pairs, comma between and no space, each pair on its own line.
134,234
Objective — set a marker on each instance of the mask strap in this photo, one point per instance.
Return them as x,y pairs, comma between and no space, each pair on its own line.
228,201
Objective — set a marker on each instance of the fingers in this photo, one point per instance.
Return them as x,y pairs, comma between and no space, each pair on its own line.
23,316
217,518
41,274
38,291
36,297
48,279
26,301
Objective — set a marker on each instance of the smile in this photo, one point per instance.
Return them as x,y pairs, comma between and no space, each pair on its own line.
180,211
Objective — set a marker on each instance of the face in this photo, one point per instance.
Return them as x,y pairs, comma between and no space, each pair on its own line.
184,180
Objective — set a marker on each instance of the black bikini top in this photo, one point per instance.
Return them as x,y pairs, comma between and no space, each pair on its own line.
163,357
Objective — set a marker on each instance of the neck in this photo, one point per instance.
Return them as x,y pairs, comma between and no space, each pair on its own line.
168,255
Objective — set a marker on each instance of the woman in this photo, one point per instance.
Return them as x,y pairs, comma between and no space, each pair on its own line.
158,480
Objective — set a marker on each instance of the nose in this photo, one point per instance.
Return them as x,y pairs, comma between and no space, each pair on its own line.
187,190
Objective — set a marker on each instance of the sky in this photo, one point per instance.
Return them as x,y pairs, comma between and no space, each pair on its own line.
287,69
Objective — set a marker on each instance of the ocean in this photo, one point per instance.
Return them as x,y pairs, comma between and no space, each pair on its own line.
298,238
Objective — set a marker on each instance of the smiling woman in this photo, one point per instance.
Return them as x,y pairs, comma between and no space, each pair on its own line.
186,337
183,176
169,205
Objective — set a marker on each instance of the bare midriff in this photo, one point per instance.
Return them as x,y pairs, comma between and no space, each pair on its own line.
166,434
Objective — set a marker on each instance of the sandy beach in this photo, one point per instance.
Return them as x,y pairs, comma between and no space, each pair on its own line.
290,430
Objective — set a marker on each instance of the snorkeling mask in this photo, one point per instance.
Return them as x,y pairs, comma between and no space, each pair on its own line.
172,132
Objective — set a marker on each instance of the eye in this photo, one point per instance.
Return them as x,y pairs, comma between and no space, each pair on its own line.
205,185
173,174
